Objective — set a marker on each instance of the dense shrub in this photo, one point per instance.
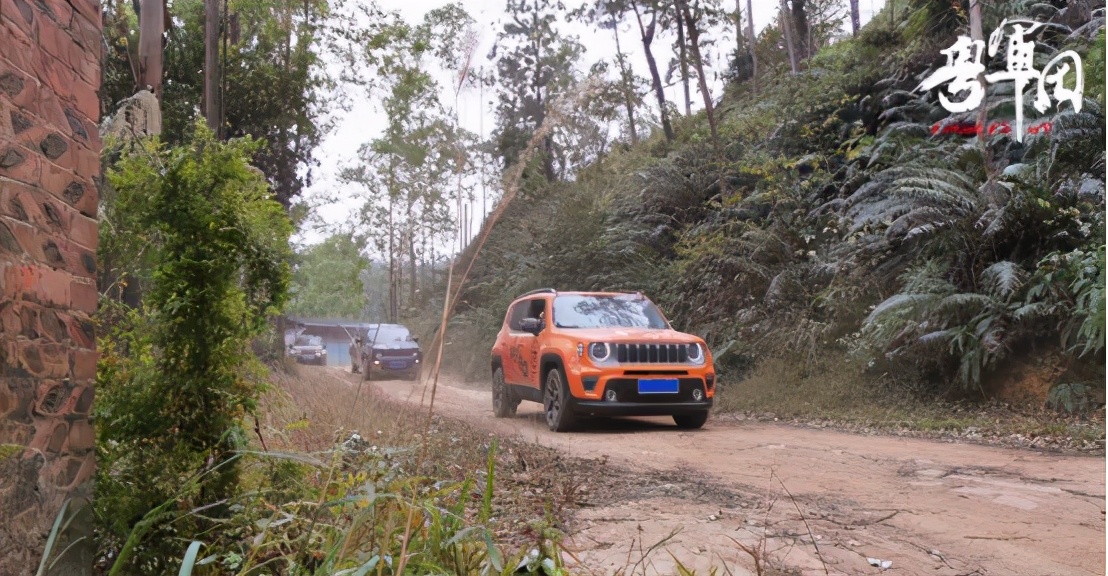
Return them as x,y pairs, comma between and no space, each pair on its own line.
176,375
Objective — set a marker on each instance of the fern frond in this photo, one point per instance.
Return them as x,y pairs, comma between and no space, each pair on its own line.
1005,278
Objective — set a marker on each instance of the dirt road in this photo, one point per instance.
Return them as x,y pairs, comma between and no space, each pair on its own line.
927,507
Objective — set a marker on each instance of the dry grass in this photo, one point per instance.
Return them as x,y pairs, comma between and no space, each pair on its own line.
835,393
310,410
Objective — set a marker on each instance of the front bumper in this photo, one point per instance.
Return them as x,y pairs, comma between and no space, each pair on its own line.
311,359
387,365
694,395
605,408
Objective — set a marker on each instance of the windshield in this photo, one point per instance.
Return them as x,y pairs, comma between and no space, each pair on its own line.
309,341
390,334
626,311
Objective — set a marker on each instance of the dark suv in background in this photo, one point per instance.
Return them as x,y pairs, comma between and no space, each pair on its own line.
389,351
309,349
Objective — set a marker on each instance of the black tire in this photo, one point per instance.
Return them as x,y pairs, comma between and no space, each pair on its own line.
690,421
557,403
503,404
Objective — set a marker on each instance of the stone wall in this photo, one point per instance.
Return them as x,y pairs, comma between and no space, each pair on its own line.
49,166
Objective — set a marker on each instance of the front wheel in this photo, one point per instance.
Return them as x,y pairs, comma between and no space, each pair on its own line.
556,402
690,421
503,405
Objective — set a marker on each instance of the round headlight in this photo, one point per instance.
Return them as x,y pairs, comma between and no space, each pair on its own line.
695,353
599,351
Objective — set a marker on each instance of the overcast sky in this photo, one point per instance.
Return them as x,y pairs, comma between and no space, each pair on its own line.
365,122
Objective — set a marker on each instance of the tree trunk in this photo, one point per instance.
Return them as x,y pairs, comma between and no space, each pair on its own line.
753,43
394,282
151,28
739,49
647,33
698,62
787,32
626,87
548,142
683,60
977,33
803,31
855,18
412,268
211,65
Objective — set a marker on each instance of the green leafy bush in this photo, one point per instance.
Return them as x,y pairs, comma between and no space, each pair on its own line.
176,375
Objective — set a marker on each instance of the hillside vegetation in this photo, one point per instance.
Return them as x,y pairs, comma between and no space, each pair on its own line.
827,226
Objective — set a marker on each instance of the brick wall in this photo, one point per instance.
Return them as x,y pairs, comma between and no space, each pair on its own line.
49,164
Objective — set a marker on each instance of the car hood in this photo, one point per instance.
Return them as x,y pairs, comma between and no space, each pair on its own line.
631,335
307,348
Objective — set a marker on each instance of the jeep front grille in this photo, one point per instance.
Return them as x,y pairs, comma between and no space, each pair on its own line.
652,353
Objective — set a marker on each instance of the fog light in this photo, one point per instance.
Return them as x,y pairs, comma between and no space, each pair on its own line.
610,395
697,394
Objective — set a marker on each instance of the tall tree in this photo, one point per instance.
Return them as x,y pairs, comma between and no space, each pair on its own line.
626,82
801,27
646,32
609,14
787,31
277,87
691,19
533,61
978,34
212,111
327,280
855,18
151,29
406,171
738,17
683,59
752,40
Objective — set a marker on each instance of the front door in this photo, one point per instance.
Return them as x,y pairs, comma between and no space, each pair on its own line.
523,353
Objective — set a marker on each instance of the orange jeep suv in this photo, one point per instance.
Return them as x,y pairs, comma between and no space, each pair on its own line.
599,354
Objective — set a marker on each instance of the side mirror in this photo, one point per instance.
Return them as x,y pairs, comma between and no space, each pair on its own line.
532,325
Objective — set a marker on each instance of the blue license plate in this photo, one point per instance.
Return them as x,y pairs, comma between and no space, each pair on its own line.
659,386
398,364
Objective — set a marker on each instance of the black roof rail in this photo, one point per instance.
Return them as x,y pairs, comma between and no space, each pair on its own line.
540,291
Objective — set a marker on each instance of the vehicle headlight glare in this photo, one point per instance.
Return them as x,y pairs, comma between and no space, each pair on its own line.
600,351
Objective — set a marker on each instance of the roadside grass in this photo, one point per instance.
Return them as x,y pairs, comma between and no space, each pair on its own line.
336,479
533,485
839,394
